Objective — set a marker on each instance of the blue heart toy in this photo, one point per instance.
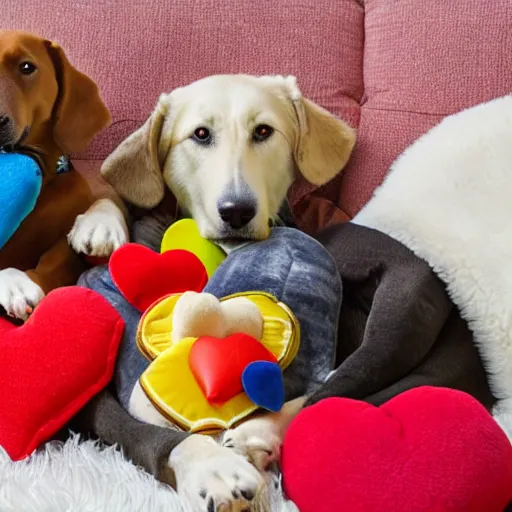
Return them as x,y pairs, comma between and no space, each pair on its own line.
21,180
263,384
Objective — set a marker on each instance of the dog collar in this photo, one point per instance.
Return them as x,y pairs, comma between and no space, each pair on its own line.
63,165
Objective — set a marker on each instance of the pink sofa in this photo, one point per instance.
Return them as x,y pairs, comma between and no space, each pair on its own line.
392,68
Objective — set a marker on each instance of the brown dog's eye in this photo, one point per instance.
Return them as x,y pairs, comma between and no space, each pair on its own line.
202,135
27,68
262,132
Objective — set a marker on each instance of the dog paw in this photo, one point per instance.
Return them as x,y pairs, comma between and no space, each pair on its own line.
100,230
211,478
19,295
257,439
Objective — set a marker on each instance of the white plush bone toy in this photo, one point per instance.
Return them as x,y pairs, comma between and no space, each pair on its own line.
202,314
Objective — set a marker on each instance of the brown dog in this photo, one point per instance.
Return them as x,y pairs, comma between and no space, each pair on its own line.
49,109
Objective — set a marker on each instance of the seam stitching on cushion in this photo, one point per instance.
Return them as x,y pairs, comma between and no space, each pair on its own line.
362,100
398,110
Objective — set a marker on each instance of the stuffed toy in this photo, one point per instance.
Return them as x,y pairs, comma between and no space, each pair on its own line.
426,450
185,234
220,366
144,276
21,184
59,359
245,318
213,361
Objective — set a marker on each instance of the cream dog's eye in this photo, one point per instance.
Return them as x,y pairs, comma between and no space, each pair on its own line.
262,132
27,68
202,135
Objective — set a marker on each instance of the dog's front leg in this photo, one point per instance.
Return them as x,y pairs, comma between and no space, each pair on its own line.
208,476
21,292
211,477
100,230
260,438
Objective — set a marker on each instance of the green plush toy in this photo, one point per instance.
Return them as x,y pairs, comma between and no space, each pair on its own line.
184,234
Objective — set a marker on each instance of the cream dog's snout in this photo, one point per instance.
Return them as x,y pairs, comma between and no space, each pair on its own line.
237,205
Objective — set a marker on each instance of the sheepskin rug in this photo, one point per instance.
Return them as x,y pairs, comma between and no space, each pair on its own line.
82,476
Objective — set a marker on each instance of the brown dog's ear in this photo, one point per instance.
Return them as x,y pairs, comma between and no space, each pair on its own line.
324,143
79,113
134,168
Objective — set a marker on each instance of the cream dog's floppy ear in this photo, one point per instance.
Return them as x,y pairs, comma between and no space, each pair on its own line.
324,142
134,168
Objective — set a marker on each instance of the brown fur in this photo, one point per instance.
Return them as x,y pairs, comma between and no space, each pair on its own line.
59,109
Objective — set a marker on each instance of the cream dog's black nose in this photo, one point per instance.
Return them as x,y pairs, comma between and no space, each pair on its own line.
236,214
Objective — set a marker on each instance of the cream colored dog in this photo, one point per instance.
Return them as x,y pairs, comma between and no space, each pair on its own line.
228,147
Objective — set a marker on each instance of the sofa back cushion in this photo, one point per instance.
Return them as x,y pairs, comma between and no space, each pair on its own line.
422,60
391,68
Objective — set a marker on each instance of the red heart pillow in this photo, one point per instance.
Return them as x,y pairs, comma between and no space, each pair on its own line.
53,365
427,450
218,364
143,276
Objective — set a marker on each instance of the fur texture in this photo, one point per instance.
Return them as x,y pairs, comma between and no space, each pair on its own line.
233,140
83,476
448,199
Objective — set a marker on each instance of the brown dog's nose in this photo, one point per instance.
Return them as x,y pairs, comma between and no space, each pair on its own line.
7,134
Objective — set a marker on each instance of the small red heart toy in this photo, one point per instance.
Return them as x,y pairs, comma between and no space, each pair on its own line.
218,364
426,450
143,276
53,365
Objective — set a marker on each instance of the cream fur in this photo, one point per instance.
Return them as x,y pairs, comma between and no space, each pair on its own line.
163,152
100,230
448,199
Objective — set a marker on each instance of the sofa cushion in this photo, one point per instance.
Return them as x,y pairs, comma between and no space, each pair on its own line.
137,49
391,68
423,60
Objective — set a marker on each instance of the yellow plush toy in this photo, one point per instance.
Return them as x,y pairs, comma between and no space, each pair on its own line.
184,234
199,347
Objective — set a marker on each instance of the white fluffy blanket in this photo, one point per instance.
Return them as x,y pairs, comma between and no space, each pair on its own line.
449,199
82,477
